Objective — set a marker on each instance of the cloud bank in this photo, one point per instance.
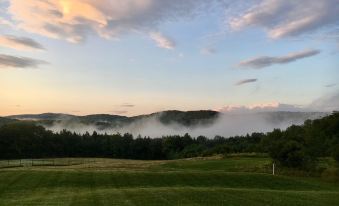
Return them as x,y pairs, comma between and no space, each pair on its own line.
228,124
264,107
329,102
8,61
289,18
266,61
20,43
75,20
233,120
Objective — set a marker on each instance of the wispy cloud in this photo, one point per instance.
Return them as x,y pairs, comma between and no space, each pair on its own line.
245,81
8,61
208,51
289,18
21,43
162,41
266,61
330,85
6,22
119,112
127,105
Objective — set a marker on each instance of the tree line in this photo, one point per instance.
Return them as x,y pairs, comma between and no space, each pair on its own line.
297,146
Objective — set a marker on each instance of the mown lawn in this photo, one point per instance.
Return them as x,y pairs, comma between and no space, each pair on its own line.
228,181
232,164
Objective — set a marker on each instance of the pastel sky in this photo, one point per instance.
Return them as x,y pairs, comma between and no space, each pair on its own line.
131,57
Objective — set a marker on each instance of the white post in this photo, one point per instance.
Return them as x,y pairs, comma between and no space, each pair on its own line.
273,169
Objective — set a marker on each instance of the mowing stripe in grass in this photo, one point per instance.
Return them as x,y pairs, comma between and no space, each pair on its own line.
31,179
184,196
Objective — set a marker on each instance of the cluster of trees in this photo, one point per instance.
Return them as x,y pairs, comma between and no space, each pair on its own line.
297,146
28,140
301,146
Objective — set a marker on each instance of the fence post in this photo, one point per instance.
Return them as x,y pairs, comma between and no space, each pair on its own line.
273,169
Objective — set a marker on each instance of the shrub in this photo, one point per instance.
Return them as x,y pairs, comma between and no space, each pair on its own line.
330,174
291,154
335,153
192,150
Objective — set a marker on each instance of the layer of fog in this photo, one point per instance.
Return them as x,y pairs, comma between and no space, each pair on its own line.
225,125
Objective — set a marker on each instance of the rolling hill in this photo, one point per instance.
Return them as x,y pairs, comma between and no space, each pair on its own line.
189,118
172,122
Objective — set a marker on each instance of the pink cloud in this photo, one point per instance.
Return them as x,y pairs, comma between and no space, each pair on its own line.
74,20
261,107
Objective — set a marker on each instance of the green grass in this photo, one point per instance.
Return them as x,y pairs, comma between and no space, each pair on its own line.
232,181
232,164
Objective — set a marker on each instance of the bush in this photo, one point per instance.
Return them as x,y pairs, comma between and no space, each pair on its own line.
330,174
193,150
291,154
335,153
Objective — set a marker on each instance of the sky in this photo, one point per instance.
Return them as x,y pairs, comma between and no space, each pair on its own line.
131,57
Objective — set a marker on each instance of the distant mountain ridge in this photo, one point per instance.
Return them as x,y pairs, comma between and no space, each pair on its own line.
189,118
184,118
204,122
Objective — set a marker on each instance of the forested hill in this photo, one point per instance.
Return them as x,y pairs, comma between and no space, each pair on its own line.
4,120
183,118
189,118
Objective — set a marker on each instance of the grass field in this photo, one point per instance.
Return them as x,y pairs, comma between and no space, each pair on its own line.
215,181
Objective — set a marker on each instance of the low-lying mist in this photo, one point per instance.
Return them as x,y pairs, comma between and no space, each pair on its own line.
225,125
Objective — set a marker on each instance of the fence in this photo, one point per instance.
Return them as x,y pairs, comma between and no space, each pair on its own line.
43,162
